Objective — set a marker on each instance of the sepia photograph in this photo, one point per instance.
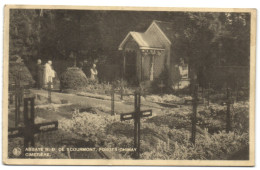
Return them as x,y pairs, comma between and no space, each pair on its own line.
129,86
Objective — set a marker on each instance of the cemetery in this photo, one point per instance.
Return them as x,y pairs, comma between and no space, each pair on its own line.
155,104
163,131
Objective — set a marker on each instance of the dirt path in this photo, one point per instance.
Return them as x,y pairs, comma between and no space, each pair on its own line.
120,106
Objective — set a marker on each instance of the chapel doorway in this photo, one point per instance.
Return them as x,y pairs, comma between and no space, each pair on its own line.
130,67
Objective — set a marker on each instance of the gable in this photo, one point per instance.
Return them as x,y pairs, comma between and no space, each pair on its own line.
158,35
137,37
144,41
155,30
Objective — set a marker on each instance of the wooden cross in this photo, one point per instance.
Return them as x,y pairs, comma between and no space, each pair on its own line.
11,91
161,86
18,100
229,101
30,128
49,91
121,90
19,91
194,113
113,101
209,89
136,115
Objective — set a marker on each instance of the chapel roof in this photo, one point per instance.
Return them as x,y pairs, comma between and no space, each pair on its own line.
144,40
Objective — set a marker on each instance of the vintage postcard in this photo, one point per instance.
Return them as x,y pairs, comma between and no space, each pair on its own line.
129,86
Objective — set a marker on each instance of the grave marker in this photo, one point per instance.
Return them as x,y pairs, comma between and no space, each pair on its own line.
49,91
136,116
30,128
161,86
194,113
18,99
208,92
113,101
228,116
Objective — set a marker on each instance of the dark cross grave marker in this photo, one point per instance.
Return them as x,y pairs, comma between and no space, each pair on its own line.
121,90
236,90
30,128
228,116
19,91
49,91
113,101
209,90
136,115
194,114
161,86
11,91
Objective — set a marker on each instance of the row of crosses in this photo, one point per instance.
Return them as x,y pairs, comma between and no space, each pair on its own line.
195,101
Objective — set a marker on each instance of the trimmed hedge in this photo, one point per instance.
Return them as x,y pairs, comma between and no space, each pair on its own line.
73,78
16,68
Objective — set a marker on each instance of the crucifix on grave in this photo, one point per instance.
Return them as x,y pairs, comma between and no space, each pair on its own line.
50,85
194,113
229,101
161,86
113,100
121,89
30,128
19,91
209,90
136,116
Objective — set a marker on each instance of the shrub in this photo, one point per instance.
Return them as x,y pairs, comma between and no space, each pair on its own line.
73,78
16,68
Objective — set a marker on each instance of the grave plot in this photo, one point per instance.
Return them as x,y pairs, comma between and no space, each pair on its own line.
165,133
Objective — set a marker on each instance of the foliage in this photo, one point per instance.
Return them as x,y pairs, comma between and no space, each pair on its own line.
240,117
208,147
171,120
214,117
98,88
203,38
166,98
19,69
106,87
24,33
163,137
73,78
